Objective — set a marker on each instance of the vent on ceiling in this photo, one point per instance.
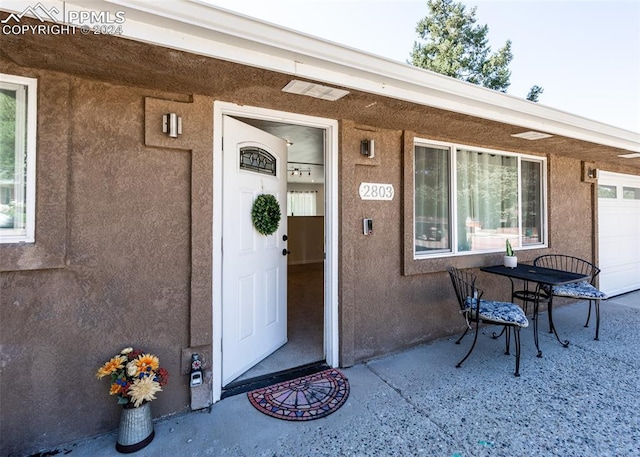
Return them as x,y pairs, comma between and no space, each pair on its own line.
531,135
314,90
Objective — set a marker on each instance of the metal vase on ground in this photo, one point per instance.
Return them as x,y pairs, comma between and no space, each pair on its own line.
136,429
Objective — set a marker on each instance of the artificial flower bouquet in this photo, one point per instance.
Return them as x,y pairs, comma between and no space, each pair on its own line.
135,376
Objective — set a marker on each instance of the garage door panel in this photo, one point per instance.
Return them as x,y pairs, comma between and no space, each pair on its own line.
618,280
619,236
625,252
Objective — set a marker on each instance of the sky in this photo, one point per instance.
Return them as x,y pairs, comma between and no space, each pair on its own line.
584,54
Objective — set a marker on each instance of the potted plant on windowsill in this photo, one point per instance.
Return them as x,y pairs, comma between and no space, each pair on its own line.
510,259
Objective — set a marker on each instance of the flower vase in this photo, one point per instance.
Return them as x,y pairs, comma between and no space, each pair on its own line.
136,428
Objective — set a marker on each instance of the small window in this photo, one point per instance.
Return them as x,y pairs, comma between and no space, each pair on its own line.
302,202
631,193
532,205
17,158
257,160
432,189
607,191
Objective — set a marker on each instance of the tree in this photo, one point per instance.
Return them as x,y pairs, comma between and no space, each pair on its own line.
451,43
534,93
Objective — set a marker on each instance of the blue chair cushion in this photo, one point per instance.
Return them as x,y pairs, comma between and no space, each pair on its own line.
499,311
582,289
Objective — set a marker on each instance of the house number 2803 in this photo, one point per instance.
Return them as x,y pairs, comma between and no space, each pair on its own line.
375,191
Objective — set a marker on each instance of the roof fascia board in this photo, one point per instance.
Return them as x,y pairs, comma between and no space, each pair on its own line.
192,26
302,55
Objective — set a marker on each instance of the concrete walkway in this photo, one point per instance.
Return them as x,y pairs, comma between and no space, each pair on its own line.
578,401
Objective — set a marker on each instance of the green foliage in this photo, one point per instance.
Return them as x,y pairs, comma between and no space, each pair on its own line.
265,214
509,248
450,42
488,190
534,93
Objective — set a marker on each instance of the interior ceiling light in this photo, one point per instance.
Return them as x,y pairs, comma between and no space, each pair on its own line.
300,171
314,90
531,135
632,155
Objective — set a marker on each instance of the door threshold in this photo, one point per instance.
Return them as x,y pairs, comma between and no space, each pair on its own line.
258,382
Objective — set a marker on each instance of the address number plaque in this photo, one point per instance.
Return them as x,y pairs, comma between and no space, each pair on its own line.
375,191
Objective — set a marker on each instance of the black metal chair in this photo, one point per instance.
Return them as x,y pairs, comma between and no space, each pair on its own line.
584,290
475,309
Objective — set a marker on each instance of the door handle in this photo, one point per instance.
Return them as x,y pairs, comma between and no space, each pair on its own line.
286,252
285,237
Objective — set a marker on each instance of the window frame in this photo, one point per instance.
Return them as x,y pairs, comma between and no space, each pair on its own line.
454,149
27,89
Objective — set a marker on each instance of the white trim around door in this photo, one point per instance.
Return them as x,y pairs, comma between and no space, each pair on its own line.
330,126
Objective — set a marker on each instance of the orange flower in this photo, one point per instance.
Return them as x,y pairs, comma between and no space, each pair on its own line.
135,376
147,363
111,366
115,389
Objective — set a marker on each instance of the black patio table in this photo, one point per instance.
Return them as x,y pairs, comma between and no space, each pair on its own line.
541,277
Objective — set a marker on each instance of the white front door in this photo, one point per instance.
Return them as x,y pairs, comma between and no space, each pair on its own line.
254,266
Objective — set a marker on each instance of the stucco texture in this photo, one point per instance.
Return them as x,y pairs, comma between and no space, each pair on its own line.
124,212
123,253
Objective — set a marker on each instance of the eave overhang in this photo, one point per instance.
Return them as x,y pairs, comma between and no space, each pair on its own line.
196,27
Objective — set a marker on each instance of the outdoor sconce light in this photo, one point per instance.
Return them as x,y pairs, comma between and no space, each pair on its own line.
367,148
589,172
172,124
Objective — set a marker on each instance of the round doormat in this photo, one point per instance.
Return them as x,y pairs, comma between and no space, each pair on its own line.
301,399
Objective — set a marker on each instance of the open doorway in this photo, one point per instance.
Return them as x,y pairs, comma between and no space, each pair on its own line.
305,231
312,284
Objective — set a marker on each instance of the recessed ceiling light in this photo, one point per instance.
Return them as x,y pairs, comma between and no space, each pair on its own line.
531,135
632,155
314,90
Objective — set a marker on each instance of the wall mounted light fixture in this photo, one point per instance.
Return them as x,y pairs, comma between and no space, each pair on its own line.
589,172
172,124
367,148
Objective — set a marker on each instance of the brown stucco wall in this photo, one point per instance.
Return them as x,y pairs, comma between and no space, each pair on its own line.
123,251
115,215
374,290
415,302
571,219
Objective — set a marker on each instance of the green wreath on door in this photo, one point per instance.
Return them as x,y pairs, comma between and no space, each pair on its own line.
265,214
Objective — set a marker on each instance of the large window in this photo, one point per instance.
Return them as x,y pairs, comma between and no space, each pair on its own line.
17,158
496,196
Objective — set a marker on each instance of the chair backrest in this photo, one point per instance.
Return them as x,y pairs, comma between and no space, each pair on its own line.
567,263
464,285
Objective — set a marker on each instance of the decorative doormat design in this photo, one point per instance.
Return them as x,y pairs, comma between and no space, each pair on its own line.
302,399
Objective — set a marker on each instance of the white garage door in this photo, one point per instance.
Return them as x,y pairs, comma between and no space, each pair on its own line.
619,232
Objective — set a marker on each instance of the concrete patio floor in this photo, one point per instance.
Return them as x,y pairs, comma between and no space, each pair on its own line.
577,401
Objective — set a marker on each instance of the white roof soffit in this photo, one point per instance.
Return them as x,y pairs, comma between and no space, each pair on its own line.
193,26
